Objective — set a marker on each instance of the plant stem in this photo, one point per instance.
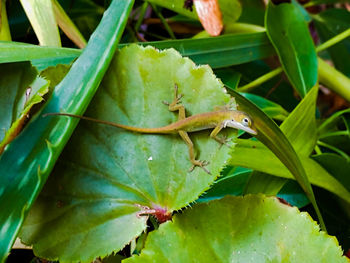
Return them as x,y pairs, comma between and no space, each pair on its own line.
333,40
260,80
333,79
165,23
317,149
141,16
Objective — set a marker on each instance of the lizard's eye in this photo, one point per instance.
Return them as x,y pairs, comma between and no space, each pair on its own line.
245,121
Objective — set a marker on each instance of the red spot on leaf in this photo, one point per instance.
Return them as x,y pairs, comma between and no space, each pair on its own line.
160,213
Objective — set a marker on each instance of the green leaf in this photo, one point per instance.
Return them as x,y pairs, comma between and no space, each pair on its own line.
67,25
28,160
252,228
125,170
282,94
289,34
228,76
319,2
334,133
221,51
270,108
334,79
336,165
252,12
231,9
232,183
217,52
329,23
55,74
293,194
256,156
300,126
14,81
260,182
15,52
4,24
276,141
20,90
41,16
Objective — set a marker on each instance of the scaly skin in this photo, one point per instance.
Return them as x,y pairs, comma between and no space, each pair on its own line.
215,120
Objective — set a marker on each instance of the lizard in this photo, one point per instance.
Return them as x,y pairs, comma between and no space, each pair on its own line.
217,120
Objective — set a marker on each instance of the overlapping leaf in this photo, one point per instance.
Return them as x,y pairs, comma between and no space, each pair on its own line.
288,32
256,156
41,16
240,229
270,108
20,90
276,141
329,23
301,131
217,52
27,161
110,173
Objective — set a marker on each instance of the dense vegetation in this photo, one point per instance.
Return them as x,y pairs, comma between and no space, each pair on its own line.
79,193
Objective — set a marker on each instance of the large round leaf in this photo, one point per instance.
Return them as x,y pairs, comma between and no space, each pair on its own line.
246,229
90,204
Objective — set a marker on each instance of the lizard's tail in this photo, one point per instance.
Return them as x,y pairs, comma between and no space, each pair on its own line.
161,130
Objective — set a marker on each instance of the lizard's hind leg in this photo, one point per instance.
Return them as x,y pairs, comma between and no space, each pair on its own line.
188,141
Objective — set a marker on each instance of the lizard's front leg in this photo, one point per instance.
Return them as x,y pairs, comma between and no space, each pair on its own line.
176,105
215,132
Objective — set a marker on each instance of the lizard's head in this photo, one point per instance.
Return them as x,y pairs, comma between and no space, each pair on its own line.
242,121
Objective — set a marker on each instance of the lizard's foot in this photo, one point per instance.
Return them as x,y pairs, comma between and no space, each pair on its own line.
175,102
223,140
201,164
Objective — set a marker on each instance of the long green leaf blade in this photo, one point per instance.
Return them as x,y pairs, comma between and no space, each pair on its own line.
270,135
222,51
16,52
288,32
300,126
4,24
27,161
217,52
41,16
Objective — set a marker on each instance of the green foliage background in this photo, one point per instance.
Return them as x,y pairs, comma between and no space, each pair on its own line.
107,182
